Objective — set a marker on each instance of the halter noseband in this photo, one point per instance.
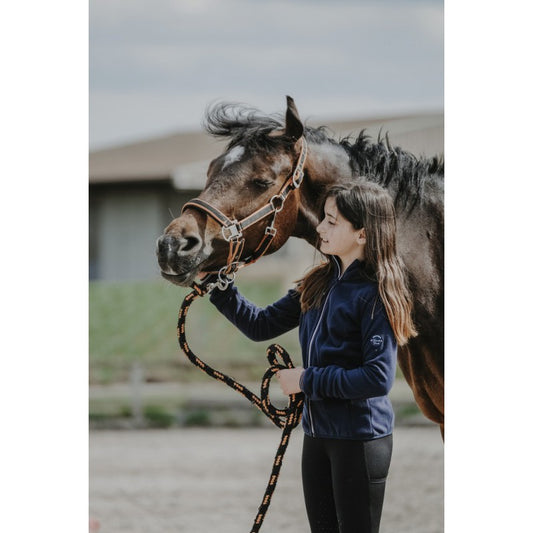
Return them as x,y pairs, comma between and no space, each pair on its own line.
232,230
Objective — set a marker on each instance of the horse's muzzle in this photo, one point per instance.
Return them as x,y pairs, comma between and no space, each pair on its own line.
179,258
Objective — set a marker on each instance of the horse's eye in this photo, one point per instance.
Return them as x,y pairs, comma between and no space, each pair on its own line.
262,183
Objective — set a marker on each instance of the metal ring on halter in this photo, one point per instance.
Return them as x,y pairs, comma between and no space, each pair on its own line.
231,269
224,279
277,198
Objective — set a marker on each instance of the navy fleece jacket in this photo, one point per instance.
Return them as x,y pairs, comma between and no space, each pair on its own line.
348,352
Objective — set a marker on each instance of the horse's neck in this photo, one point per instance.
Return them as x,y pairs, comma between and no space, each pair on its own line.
326,165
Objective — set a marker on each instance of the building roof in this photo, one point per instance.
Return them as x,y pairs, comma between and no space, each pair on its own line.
183,157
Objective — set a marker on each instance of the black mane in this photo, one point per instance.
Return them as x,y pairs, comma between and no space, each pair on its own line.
243,125
389,165
378,161
384,164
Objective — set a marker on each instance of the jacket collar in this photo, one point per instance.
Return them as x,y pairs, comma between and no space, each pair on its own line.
354,270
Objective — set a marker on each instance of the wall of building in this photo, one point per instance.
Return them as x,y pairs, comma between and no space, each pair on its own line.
125,223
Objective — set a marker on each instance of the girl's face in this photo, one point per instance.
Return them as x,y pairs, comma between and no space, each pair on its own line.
338,236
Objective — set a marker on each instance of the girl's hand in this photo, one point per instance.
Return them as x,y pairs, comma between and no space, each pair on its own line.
289,379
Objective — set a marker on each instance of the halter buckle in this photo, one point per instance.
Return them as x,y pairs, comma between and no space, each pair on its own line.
297,177
271,231
233,232
298,174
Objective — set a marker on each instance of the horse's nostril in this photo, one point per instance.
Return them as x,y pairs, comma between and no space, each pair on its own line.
189,243
169,246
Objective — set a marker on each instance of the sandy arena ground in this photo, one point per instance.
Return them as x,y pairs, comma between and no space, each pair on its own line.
199,480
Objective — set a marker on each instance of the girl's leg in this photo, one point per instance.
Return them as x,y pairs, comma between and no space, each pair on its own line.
317,485
359,471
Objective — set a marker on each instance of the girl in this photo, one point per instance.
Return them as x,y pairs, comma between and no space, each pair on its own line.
352,311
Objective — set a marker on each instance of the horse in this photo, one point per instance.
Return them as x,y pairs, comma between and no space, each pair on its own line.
267,186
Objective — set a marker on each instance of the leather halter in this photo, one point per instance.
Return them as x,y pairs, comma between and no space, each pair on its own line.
232,230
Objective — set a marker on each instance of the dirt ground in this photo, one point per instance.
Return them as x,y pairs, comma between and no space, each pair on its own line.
199,480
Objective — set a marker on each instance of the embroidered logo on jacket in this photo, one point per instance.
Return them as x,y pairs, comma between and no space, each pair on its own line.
376,340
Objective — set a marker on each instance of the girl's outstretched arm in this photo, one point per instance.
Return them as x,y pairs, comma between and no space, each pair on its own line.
257,323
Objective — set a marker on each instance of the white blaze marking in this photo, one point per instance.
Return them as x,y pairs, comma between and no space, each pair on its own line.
277,167
233,155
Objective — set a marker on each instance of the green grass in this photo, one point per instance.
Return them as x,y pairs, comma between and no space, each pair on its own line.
136,322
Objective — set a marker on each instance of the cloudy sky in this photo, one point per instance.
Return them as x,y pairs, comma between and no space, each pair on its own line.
154,67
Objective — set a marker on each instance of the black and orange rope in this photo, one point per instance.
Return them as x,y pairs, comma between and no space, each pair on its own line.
287,418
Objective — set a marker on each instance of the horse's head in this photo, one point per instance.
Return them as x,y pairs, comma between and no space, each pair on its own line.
255,172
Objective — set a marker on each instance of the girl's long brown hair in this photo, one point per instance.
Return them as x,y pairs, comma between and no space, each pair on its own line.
367,205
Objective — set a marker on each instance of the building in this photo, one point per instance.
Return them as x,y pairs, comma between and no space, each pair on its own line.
137,189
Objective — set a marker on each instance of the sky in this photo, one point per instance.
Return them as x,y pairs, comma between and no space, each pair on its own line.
153,70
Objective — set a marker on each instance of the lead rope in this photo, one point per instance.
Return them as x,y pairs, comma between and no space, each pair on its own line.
287,418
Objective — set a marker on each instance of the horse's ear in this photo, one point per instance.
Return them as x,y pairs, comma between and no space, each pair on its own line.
293,125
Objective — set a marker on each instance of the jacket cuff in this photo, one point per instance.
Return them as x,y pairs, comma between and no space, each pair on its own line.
217,296
301,382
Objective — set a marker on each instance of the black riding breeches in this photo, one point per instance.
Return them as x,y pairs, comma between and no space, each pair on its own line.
344,483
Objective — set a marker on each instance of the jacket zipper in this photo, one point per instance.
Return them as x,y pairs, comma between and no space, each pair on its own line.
311,342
